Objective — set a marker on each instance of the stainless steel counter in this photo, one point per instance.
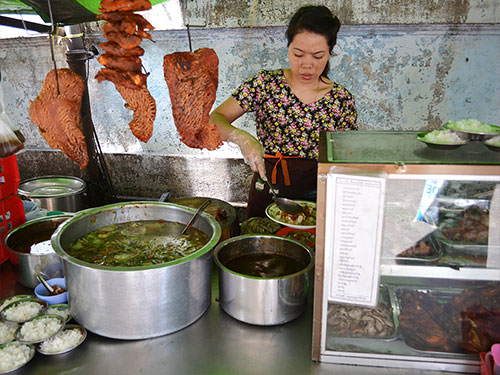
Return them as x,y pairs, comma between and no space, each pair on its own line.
215,344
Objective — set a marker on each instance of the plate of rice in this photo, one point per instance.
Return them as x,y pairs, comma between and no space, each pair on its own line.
14,355
41,328
7,332
442,139
61,309
23,310
68,339
493,143
9,300
473,129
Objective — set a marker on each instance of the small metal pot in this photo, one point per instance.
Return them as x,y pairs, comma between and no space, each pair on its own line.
56,193
257,300
137,302
26,265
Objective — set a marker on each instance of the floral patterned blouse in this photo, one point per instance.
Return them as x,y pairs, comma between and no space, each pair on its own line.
287,125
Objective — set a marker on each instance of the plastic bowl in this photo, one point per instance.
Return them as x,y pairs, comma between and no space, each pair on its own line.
44,295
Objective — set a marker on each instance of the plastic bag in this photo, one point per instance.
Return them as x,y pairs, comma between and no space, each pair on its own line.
11,139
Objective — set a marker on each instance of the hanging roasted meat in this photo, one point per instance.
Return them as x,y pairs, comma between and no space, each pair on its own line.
144,107
56,112
124,31
192,79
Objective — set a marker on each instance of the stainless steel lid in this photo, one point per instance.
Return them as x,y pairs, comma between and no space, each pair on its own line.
51,186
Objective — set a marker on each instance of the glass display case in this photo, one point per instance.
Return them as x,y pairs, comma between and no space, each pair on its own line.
407,252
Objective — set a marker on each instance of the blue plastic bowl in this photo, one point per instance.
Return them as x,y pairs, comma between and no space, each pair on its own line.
43,293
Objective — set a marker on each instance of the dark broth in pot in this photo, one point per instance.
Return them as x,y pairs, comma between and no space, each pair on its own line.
264,264
137,243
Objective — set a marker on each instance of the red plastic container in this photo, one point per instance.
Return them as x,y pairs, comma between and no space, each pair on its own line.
9,176
11,206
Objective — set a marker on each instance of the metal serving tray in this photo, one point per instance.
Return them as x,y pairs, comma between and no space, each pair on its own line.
424,260
441,295
384,297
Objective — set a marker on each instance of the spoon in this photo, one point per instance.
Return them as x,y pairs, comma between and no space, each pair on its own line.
45,284
284,204
195,216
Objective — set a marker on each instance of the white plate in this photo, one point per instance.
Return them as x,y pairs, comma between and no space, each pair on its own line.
66,328
273,213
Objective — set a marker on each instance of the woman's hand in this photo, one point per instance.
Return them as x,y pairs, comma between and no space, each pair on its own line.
252,150
250,147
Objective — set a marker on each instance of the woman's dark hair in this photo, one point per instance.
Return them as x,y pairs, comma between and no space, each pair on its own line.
317,19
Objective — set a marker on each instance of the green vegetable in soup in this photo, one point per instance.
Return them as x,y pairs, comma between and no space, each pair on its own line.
137,243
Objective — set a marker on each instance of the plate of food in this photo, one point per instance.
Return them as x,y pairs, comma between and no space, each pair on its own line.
304,220
15,355
473,129
305,236
493,143
442,139
68,339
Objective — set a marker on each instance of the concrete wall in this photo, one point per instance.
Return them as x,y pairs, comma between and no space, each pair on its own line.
410,66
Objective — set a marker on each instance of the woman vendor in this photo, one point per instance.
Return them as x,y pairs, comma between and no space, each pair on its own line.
291,107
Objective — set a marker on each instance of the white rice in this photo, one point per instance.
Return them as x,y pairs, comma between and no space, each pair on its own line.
40,329
7,331
495,141
472,126
23,311
65,340
13,299
42,248
443,137
63,312
13,356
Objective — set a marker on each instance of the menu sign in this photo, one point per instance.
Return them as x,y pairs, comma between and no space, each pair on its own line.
353,238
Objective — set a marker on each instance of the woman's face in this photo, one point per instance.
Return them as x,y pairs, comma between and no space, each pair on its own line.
308,54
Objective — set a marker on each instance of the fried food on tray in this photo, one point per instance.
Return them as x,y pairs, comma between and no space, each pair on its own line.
56,112
464,322
421,249
480,328
124,5
144,107
192,79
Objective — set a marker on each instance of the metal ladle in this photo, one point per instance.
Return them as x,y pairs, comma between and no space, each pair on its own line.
284,204
195,216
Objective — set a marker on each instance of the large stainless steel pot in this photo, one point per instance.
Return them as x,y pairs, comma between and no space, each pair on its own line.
137,302
56,193
257,300
26,264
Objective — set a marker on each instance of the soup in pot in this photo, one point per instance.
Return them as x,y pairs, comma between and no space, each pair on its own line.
137,243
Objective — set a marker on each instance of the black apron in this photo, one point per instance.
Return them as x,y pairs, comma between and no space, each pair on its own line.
293,177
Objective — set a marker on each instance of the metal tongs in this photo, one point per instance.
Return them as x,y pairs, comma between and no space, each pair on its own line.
284,204
195,216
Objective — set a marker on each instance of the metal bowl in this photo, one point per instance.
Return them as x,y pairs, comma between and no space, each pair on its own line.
40,347
30,356
27,265
263,300
137,302
26,340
